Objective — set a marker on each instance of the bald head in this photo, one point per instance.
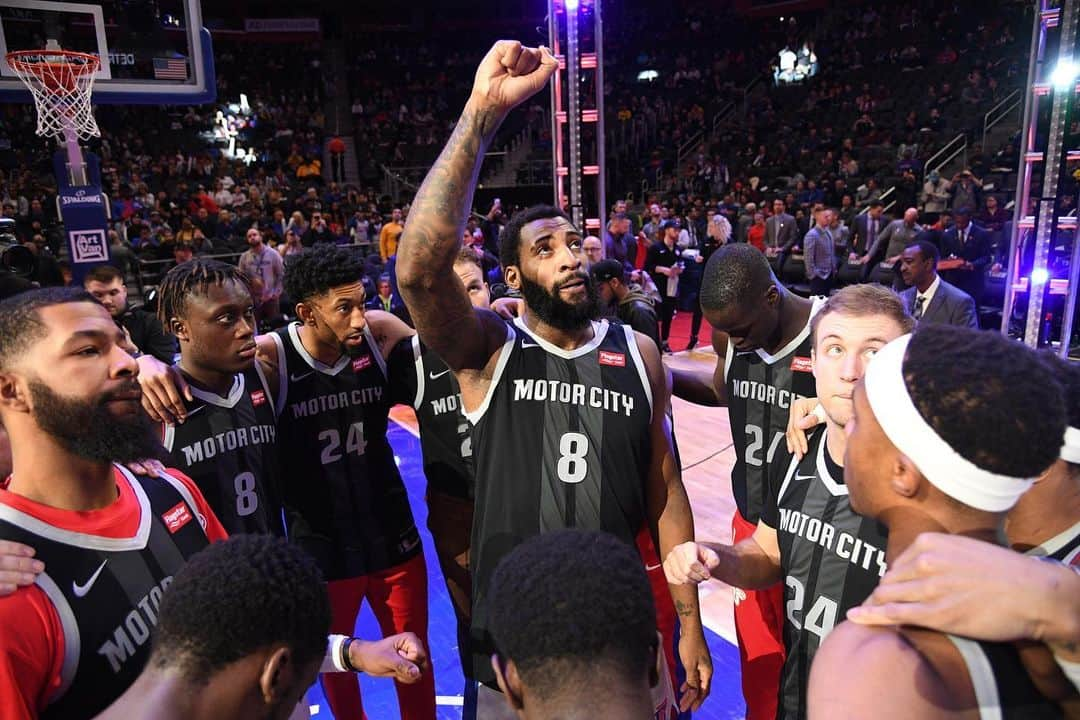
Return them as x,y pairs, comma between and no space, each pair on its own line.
911,216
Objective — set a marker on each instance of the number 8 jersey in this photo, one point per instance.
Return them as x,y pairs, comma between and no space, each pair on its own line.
345,501
228,446
562,440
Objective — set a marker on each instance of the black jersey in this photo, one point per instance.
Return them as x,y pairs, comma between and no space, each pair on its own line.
107,591
345,501
445,436
1003,688
228,446
560,441
760,389
1064,547
831,557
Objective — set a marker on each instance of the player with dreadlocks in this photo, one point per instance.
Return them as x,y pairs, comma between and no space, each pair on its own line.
228,442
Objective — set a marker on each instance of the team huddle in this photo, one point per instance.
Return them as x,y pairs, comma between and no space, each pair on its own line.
203,578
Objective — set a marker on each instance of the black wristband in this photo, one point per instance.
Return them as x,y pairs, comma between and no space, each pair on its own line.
345,661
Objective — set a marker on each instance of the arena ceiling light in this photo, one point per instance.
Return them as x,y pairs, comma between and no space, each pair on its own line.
571,5
1065,74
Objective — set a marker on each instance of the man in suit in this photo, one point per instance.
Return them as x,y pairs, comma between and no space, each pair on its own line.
969,243
931,299
819,254
864,233
781,235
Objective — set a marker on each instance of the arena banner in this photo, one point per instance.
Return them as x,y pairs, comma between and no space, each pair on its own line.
281,25
84,212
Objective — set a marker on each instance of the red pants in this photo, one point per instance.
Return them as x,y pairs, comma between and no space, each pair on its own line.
759,625
398,597
665,608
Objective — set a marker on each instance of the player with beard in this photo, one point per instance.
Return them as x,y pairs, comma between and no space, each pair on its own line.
950,428
110,540
228,443
569,415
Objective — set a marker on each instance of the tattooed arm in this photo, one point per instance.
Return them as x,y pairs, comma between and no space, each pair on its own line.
466,339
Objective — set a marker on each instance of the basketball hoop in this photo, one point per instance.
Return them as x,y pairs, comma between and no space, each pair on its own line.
61,82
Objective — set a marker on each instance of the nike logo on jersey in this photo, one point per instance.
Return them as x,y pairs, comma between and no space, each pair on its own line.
800,478
436,376
81,590
527,344
297,378
195,410
650,568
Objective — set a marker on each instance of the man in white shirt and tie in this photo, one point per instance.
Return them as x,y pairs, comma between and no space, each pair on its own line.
931,299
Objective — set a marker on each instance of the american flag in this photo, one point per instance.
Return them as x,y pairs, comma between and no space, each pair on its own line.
170,69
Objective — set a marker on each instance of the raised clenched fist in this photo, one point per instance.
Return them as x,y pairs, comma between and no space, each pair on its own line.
511,73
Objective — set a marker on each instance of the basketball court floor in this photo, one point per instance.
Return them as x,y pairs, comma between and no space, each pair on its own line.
705,446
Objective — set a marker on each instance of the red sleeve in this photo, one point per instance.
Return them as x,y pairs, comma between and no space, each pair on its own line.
31,652
213,527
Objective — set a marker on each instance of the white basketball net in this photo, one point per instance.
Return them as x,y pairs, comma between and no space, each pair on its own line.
61,83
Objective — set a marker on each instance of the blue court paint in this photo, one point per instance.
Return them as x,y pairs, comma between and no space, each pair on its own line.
380,700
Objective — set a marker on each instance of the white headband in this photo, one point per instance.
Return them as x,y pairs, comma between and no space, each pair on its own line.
953,474
1070,451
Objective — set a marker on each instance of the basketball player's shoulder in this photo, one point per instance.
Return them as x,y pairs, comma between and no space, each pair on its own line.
387,329
854,672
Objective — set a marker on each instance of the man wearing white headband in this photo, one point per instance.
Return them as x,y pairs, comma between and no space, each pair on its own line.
828,558
950,427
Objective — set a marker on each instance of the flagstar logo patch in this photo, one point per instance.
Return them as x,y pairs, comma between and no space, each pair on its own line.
802,364
361,362
613,359
258,398
177,517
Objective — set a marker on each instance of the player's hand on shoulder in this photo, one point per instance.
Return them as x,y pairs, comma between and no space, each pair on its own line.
164,390
802,418
508,308
147,466
402,657
18,568
690,563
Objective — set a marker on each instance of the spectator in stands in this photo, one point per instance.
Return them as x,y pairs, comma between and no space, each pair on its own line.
663,264
106,284
755,234
993,217
890,246
291,246
47,271
936,193
966,191
387,300
780,235
651,229
931,299
120,254
967,242
388,236
867,193
568,605
266,270
318,232
182,252
745,220
619,242
819,254
906,189
631,307
594,249
841,235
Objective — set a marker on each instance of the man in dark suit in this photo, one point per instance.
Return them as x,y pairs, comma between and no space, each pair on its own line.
931,299
781,236
970,244
864,233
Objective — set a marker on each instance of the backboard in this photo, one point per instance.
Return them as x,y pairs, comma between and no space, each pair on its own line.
151,51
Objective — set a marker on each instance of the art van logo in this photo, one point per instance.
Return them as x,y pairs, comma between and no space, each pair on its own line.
81,197
88,246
